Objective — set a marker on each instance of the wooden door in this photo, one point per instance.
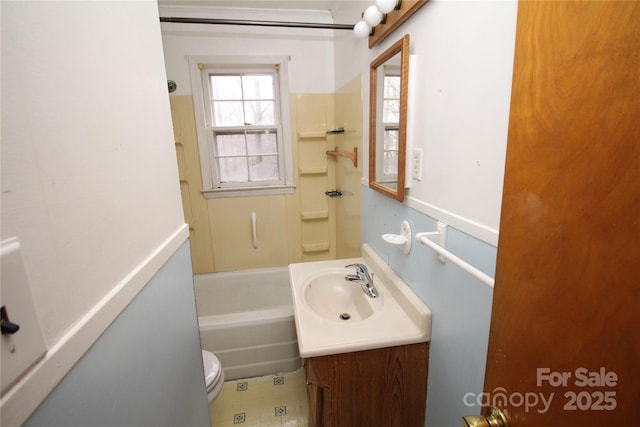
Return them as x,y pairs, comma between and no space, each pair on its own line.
564,346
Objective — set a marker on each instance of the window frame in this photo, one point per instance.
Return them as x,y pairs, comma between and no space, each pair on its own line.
201,67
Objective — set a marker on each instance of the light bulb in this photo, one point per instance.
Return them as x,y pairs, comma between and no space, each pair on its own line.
361,30
386,6
372,16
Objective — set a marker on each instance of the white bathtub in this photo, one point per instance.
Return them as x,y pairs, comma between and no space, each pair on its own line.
246,319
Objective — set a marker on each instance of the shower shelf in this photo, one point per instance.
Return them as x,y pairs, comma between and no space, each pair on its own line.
315,247
353,156
312,135
314,215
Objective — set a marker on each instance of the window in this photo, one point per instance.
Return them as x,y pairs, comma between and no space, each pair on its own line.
391,123
242,115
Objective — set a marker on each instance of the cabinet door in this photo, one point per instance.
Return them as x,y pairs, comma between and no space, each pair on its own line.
390,385
315,395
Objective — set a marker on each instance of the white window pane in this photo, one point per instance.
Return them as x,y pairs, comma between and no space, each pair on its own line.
258,87
391,111
392,87
259,112
390,163
228,113
263,168
264,142
391,140
230,144
243,122
226,87
233,169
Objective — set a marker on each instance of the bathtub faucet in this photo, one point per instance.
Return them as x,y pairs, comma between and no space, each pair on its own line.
363,278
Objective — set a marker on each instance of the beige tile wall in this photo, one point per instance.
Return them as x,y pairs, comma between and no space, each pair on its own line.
349,116
303,226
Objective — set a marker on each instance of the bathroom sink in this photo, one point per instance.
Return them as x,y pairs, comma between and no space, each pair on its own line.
336,316
330,296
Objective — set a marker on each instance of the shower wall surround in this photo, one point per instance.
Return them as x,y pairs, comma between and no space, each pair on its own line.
348,107
306,225
461,305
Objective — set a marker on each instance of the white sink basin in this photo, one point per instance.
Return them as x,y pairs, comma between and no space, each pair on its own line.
321,295
330,296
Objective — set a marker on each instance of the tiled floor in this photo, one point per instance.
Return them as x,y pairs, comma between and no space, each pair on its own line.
274,400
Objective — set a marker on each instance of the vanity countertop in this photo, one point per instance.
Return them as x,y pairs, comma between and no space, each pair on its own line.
396,317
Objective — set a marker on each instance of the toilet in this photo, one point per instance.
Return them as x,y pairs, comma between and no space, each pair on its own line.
213,375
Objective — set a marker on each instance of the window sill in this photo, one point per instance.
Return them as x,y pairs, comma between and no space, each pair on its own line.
248,192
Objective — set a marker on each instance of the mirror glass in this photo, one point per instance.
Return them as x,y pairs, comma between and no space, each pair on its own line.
389,75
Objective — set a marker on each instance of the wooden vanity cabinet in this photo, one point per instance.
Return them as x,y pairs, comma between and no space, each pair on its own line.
380,387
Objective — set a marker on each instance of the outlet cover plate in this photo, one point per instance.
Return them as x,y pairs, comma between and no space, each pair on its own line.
416,164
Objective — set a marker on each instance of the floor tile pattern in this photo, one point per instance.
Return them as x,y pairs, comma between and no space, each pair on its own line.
271,401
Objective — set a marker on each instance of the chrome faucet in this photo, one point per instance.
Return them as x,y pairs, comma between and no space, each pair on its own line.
363,278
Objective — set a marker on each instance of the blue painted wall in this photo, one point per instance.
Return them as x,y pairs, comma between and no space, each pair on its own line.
145,369
461,305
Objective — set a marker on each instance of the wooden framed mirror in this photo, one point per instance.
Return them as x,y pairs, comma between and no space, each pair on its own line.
388,91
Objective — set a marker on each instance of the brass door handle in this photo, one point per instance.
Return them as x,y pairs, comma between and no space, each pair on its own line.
495,418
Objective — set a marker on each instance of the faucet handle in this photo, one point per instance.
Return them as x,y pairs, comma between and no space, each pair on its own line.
360,268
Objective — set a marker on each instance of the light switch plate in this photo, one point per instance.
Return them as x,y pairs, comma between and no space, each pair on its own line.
22,349
416,164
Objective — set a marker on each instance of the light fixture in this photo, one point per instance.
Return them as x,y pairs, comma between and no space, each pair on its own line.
372,16
362,30
386,6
